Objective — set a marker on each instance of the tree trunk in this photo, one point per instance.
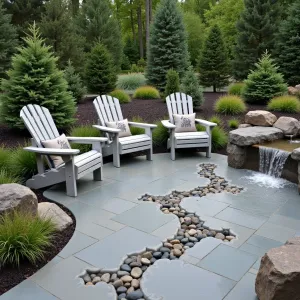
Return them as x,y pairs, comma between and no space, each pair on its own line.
75,7
132,22
150,11
215,88
140,29
147,11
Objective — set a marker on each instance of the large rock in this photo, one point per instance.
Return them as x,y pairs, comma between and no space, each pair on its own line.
52,211
16,197
260,118
293,241
296,154
254,135
292,90
244,125
288,125
236,156
278,277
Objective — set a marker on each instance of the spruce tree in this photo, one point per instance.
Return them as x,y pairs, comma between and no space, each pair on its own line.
167,48
75,85
172,85
35,79
8,40
256,34
57,28
97,23
288,45
264,82
100,72
190,86
213,62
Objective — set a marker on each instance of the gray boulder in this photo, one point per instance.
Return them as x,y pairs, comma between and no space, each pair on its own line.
279,274
244,125
254,135
52,211
260,118
236,156
288,125
296,154
17,197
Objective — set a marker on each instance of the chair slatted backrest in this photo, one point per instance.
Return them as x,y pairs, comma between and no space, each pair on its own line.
179,103
108,109
39,123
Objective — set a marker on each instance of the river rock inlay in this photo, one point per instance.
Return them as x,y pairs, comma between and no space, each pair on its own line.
126,280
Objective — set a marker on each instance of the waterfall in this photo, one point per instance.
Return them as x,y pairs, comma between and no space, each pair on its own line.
271,161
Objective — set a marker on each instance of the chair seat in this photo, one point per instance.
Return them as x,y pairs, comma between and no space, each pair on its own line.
191,135
134,143
191,139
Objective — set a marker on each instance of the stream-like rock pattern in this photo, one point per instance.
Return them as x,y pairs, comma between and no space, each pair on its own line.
126,280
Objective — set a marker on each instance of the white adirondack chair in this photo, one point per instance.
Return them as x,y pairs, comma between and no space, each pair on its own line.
109,110
40,124
180,103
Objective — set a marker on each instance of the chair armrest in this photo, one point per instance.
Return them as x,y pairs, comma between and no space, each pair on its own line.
52,151
87,140
168,124
142,125
107,129
205,123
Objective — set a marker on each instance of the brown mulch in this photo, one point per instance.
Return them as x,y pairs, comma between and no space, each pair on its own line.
11,276
148,110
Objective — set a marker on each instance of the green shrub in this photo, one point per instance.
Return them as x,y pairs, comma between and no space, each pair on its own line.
23,163
100,73
142,64
216,119
146,92
230,105
190,86
75,85
172,85
7,177
24,237
233,123
264,82
84,131
125,65
134,68
121,95
236,88
4,158
131,81
137,130
288,104
160,134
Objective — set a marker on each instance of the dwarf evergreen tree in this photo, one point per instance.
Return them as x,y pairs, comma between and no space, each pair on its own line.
256,34
75,85
100,72
172,85
190,86
35,79
97,23
167,47
288,45
57,28
8,40
213,62
264,82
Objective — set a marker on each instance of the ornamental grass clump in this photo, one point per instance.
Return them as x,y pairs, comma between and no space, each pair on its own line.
131,81
230,105
233,123
8,177
121,95
146,92
24,237
287,104
137,130
236,88
216,119
160,134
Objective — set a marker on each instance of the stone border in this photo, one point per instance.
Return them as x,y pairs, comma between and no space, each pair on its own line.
126,280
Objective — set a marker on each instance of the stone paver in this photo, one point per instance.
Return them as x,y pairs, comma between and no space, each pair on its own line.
229,262
167,230
168,280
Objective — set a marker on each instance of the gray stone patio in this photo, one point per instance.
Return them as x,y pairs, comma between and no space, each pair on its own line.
112,223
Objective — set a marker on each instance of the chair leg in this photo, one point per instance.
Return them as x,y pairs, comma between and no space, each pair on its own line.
116,152
208,152
149,154
97,174
70,179
172,152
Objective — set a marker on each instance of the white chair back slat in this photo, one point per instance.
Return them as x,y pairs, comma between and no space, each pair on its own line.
38,124
118,109
178,103
112,106
190,104
173,107
107,108
47,121
184,103
100,110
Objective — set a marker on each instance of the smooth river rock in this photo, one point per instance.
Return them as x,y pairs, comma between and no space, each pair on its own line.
260,118
254,135
279,275
288,125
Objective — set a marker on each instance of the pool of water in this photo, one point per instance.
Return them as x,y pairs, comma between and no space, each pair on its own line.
285,145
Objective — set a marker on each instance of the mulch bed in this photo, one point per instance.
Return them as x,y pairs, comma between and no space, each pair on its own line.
11,276
148,110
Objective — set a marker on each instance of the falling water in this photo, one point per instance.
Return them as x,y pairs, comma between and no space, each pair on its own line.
271,161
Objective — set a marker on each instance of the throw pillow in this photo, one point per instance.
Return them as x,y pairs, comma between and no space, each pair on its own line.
185,123
60,142
122,125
